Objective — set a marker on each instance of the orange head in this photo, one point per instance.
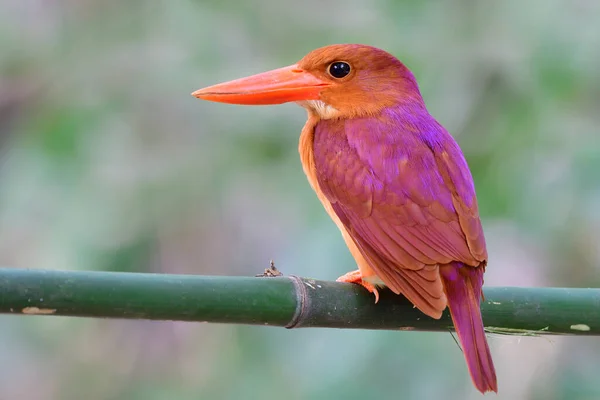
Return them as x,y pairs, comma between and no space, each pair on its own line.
338,81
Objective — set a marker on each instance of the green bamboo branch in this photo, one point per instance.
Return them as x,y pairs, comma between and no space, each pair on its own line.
290,302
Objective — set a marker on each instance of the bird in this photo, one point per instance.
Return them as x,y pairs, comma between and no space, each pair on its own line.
391,177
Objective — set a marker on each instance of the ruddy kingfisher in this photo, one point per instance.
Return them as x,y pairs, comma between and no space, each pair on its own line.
391,177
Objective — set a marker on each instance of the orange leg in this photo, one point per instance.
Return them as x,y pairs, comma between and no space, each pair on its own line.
357,278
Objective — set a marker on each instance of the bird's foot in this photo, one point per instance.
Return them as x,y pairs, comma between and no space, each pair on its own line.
357,278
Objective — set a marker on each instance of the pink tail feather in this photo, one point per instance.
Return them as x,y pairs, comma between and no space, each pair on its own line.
462,285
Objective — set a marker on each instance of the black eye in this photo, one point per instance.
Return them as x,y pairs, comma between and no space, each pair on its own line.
339,69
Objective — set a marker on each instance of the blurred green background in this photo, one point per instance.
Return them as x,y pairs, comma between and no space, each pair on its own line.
108,163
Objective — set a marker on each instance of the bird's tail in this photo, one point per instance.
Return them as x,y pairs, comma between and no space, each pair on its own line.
462,285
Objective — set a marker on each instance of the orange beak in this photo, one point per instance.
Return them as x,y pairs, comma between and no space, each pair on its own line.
273,87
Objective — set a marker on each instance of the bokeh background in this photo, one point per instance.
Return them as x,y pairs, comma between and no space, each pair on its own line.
107,163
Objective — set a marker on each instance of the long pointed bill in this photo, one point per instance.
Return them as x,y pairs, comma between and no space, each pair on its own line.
273,87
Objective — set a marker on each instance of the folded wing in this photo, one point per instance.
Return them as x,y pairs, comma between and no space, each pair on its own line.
406,197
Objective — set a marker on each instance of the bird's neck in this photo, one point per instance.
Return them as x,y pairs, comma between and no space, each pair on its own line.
409,118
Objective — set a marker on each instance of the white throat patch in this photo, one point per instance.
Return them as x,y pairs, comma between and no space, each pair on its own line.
323,110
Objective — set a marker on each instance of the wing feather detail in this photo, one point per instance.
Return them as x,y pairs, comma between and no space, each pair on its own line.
406,198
